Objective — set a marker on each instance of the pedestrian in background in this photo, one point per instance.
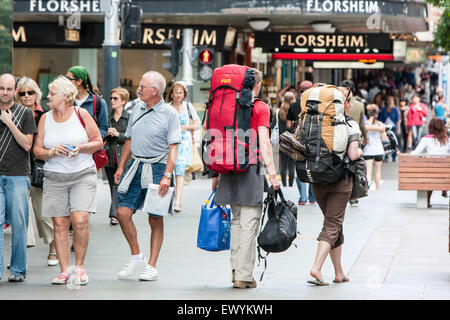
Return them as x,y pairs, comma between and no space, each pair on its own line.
153,135
333,199
17,129
79,76
244,192
357,113
29,95
441,109
373,150
287,164
292,121
436,143
390,116
186,112
67,138
403,127
114,141
417,114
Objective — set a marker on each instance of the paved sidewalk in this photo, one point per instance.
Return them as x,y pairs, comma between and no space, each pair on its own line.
392,251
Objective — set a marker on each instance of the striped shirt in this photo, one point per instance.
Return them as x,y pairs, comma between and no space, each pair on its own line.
14,160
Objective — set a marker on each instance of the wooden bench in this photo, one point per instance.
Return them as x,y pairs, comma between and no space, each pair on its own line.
423,173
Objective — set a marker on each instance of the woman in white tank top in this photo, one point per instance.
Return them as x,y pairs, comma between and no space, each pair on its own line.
69,190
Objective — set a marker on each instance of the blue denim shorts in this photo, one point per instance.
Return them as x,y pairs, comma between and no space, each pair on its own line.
134,198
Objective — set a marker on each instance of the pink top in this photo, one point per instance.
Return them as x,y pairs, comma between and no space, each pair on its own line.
417,114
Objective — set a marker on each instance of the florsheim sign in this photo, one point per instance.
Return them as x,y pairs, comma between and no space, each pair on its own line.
235,7
288,41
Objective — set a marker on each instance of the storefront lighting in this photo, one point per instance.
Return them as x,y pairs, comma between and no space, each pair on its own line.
259,24
323,27
331,56
346,65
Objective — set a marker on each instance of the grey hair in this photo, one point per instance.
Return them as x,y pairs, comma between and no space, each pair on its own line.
157,80
65,87
25,82
258,75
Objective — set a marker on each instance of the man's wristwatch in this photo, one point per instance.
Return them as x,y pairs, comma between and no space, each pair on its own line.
168,175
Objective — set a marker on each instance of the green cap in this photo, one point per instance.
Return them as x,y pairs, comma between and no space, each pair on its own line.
79,72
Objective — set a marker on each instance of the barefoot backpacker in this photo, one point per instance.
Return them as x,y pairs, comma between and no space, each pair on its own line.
323,131
230,141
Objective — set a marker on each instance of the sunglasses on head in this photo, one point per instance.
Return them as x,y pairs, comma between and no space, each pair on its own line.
30,93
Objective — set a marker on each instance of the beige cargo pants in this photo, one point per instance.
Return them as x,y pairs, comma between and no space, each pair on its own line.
245,223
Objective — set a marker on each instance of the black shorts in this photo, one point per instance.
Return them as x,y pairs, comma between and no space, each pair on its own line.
376,158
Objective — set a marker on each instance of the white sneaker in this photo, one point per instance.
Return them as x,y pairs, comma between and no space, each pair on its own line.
131,267
149,274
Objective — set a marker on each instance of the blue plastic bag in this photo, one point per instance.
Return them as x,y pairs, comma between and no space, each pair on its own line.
214,227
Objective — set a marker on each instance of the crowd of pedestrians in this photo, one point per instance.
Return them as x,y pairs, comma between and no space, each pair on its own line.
151,140
62,140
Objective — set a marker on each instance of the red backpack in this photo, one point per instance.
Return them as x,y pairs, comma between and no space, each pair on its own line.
231,144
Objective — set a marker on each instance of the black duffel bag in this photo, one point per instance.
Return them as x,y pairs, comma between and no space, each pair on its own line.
281,227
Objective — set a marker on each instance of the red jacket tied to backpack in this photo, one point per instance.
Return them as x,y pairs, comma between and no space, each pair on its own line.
232,120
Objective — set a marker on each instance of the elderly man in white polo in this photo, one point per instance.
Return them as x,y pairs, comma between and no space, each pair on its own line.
153,135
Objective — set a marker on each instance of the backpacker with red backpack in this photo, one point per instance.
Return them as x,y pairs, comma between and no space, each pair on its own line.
230,143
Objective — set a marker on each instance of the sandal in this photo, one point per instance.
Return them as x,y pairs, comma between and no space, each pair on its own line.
81,277
114,221
63,278
52,262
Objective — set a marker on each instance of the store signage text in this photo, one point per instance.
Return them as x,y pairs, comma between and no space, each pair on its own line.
62,6
342,6
91,35
201,37
336,42
322,41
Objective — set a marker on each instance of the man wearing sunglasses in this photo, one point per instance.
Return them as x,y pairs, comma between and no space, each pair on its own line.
17,128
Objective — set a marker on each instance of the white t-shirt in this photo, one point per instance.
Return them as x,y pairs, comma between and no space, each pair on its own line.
374,146
70,132
430,145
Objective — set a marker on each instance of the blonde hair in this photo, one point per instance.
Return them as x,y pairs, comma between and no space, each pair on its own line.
24,83
372,108
65,87
122,93
288,98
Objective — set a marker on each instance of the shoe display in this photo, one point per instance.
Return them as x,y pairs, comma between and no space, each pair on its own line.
16,278
149,274
131,267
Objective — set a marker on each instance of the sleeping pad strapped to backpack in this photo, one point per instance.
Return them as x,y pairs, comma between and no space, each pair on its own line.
230,144
323,130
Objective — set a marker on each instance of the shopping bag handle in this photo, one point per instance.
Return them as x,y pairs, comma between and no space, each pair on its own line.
273,193
211,198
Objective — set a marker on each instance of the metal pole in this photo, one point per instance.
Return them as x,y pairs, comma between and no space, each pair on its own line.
111,51
187,65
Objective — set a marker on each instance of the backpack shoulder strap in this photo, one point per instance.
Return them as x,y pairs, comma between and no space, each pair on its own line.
96,106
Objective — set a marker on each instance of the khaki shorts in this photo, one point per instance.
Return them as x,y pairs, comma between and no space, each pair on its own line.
64,193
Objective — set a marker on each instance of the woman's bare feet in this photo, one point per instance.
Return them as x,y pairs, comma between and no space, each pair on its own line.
318,281
340,278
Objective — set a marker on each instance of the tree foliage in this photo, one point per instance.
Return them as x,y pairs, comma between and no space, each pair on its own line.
5,36
442,33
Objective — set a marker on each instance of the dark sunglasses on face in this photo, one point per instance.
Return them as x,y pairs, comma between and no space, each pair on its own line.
114,98
30,93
